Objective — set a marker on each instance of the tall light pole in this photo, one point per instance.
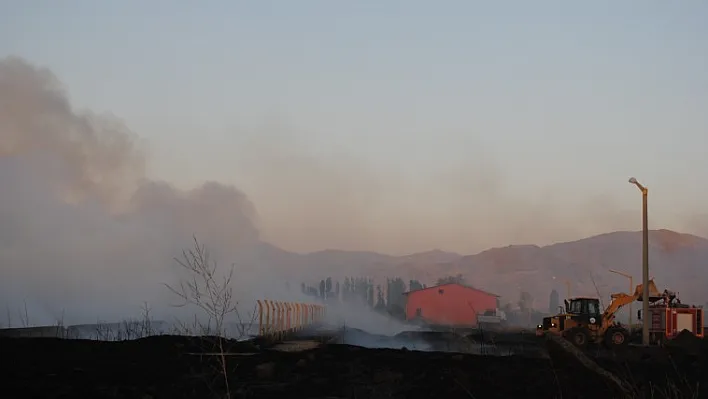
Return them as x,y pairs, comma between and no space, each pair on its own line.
645,262
631,290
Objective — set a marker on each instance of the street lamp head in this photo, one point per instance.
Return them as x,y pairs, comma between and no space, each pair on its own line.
634,181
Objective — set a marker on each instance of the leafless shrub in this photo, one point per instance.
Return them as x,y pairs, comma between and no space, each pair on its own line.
142,328
24,317
244,328
61,328
210,293
104,332
204,289
195,328
127,329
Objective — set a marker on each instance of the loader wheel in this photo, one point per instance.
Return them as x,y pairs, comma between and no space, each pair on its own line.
616,337
579,337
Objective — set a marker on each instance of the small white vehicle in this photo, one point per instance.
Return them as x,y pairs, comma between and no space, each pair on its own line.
491,317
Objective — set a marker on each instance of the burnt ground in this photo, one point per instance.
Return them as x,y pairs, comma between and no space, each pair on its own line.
680,370
170,367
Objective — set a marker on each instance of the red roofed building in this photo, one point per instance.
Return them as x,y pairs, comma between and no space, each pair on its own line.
449,305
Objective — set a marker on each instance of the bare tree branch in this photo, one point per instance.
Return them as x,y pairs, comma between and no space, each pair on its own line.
210,293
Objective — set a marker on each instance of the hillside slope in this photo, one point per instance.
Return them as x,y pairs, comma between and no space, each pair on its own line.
677,261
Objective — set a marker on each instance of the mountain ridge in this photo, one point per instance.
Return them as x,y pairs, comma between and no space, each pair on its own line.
441,251
676,260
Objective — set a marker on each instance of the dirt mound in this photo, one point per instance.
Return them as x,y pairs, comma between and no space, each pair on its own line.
688,342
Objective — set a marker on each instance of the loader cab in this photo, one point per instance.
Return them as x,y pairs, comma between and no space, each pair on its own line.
579,311
583,306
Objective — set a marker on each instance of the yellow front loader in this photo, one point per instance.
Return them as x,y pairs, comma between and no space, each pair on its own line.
582,322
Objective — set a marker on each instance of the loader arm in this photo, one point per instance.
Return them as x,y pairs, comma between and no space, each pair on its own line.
621,299
618,301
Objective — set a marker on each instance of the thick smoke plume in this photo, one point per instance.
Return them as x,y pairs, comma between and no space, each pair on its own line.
83,232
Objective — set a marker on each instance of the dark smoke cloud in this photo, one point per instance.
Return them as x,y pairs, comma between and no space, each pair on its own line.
82,229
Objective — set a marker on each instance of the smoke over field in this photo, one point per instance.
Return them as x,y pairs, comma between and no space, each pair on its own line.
83,232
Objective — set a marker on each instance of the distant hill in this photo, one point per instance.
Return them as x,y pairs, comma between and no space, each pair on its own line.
677,261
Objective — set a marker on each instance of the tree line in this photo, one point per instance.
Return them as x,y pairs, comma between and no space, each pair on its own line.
387,298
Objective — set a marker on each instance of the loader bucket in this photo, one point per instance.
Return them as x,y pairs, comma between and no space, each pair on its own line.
654,294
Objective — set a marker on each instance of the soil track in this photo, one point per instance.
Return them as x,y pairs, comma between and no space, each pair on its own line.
168,367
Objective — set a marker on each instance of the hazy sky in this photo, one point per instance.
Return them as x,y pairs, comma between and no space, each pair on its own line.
401,125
